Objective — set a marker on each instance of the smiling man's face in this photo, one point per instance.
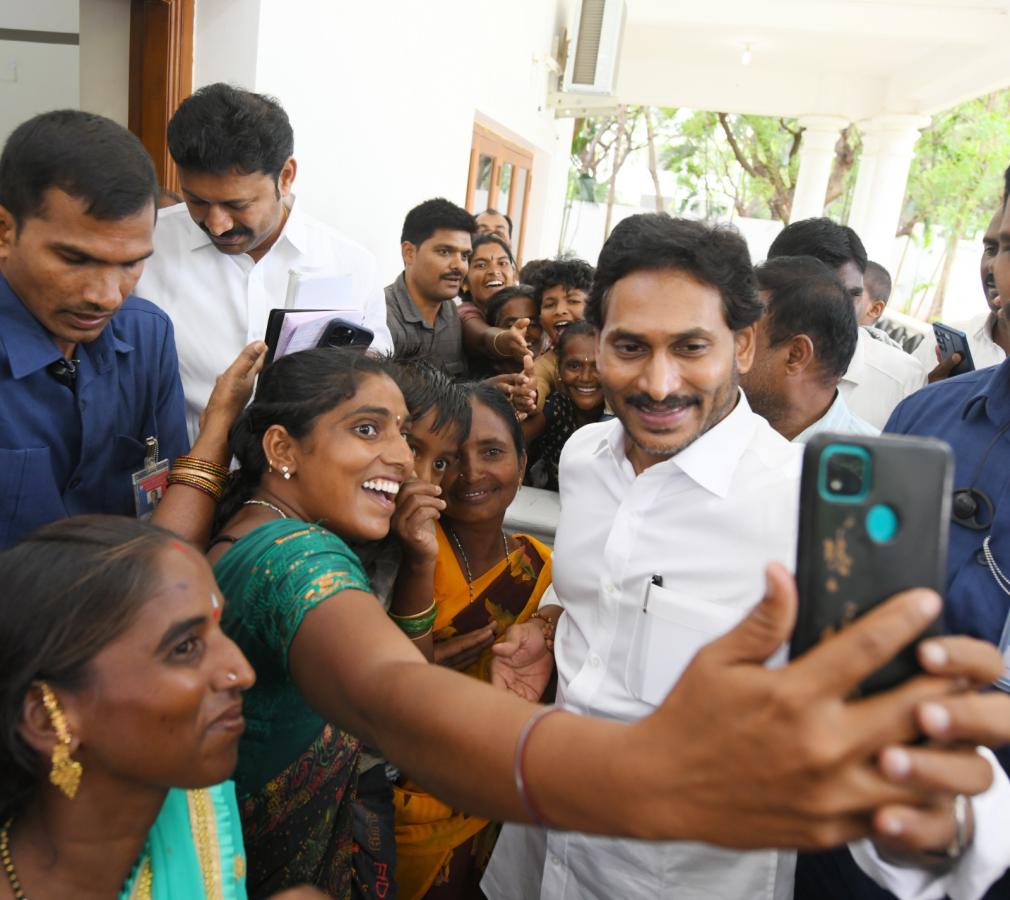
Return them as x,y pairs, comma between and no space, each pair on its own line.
669,363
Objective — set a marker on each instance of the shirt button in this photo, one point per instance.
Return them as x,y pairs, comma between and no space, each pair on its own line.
555,860
595,660
82,404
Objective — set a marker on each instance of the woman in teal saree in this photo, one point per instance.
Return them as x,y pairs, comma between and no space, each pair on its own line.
120,715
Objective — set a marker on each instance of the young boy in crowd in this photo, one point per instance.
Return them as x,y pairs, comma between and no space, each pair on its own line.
560,290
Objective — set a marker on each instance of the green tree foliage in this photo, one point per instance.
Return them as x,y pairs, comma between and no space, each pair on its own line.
956,177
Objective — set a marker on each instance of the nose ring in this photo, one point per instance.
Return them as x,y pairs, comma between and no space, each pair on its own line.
231,676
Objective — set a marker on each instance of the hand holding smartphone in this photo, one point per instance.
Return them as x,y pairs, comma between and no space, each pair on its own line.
874,521
951,341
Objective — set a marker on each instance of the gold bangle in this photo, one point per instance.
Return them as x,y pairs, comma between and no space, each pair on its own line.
418,637
194,462
206,485
412,616
494,343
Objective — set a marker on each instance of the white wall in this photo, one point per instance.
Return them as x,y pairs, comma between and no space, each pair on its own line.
383,97
105,58
35,77
226,42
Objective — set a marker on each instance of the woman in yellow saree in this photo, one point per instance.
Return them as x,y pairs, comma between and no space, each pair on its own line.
485,580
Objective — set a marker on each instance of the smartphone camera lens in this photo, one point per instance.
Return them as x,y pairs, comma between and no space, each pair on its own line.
846,474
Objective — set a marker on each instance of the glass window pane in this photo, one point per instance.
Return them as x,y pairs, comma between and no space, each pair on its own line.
504,185
482,187
516,212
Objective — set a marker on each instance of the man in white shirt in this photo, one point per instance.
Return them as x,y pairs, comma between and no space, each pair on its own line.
988,332
805,341
879,376
227,257
669,515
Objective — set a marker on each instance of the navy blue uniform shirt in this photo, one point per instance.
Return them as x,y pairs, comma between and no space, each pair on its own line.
66,452
968,413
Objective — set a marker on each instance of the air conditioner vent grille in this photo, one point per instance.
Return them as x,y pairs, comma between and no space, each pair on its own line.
587,47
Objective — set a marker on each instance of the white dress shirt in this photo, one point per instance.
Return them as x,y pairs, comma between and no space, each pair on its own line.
985,351
219,303
840,419
623,642
878,379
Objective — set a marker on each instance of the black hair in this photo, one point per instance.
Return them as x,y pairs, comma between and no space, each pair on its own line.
222,128
487,394
831,243
1006,185
570,272
877,281
426,387
583,328
528,273
428,217
294,391
713,255
486,238
89,157
495,212
502,297
70,589
806,297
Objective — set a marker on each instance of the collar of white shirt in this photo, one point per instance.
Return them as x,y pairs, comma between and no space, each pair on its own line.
709,461
295,231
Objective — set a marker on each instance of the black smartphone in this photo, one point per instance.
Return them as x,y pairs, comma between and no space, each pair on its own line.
341,333
951,341
874,521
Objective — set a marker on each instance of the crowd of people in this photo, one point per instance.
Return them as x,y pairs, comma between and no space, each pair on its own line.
267,632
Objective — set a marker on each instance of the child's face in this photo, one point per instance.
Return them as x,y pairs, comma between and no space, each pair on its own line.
577,366
522,308
435,452
559,307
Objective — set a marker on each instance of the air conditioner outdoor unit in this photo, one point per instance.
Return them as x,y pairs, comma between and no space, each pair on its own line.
591,66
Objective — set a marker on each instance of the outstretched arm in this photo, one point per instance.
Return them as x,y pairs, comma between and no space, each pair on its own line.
809,775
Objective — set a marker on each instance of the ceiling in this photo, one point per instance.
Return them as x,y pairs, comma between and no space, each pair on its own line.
849,58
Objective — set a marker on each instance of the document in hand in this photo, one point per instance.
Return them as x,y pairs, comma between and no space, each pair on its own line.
291,330
317,290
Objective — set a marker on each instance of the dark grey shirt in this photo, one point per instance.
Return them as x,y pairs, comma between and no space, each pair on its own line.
441,342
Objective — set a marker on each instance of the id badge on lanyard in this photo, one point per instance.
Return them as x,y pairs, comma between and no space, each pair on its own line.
150,482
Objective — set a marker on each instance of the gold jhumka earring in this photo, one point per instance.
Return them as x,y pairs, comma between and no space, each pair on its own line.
65,772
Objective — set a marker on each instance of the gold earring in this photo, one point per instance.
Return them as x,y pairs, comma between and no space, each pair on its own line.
65,772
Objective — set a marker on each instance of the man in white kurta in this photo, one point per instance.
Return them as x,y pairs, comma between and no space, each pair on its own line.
669,515
230,253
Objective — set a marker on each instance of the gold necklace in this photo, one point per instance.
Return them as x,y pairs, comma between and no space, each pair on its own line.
8,863
142,891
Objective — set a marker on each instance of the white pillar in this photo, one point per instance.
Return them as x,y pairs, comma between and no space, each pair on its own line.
817,152
888,149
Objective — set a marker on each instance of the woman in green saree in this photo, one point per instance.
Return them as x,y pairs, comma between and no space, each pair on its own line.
117,683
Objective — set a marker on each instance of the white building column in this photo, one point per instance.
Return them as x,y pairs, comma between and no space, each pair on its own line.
888,149
817,152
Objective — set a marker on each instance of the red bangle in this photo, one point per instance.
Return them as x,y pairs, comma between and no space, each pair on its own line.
517,768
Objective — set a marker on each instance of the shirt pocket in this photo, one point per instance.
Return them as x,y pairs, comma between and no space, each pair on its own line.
29,496
669,631
128,454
